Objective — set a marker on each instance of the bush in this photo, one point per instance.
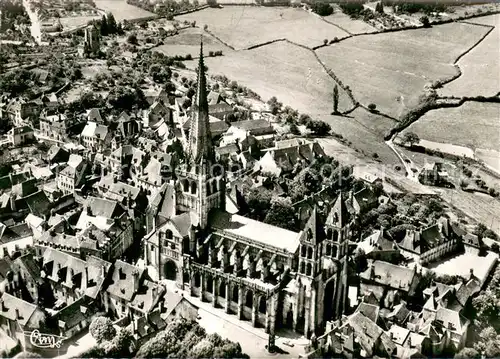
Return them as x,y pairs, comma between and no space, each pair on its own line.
132,39
102,329
372,107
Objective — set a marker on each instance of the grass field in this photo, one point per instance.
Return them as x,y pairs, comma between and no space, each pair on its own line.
366,132
391,69
286,71
345,22
480,67
121,10
70,23
474,125
188,42
244,26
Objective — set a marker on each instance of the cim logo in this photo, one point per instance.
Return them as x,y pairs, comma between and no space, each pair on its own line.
43,341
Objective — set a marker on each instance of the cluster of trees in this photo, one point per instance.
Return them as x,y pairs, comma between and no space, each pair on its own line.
485,312
414,7
379,8
168,7
214,53
353,9
12,14
108,26
126,98
187,339
322,8
110,343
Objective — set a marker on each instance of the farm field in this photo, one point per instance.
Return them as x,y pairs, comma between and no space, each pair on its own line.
391,69
70,23
284,70
245,26
366,132
345,22
474,125
188,42
121,10
480,67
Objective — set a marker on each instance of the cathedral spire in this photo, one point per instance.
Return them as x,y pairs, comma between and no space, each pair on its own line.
200,139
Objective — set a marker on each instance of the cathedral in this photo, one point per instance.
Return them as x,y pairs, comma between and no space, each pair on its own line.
273,277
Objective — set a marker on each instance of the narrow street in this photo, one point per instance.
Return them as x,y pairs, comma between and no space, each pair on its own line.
410,167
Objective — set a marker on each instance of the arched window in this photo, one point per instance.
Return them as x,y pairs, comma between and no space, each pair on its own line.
210,284
222,290
197,280
309,253
302,268
309,269
334,251
249,299
214,187
329,233
236,294
328,249
335,236
303,251
185,185
185,277
263,304
193,187
209,192
169,234
309,234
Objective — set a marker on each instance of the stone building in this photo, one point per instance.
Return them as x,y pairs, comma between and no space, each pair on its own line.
91,44
270,276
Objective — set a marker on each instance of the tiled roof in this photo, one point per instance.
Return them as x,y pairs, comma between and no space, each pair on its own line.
11,303
390,275
103,207
83,309
22,130
183,223
30,264
13,233
122,280
148,295
451,319
94,115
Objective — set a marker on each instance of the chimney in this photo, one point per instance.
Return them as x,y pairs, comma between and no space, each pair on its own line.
71,272
2,305
87,274
154,292
471,273
103,272
18,315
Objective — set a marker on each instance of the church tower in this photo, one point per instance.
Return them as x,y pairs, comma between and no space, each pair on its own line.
200,180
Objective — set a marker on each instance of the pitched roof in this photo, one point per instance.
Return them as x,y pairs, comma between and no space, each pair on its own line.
103,207
94,115
254,126
390,275
370,311
81,310
147,296
451,319
339,216
14,233
11,303
122,280
233,224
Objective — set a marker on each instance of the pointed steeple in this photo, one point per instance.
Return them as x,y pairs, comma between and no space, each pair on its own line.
200,139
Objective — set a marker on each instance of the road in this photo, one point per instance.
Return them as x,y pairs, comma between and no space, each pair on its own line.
410,167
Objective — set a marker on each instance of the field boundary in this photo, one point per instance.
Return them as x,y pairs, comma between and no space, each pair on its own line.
219,39
475,45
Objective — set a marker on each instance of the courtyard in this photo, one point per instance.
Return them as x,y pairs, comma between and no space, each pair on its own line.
463,263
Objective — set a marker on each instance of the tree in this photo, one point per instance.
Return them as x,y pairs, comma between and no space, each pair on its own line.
111,22
335,99
319,128
467,353
204,349
325,42
322,9
282,214
132,39
104,26
425,21
102,329
411,138
372,107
